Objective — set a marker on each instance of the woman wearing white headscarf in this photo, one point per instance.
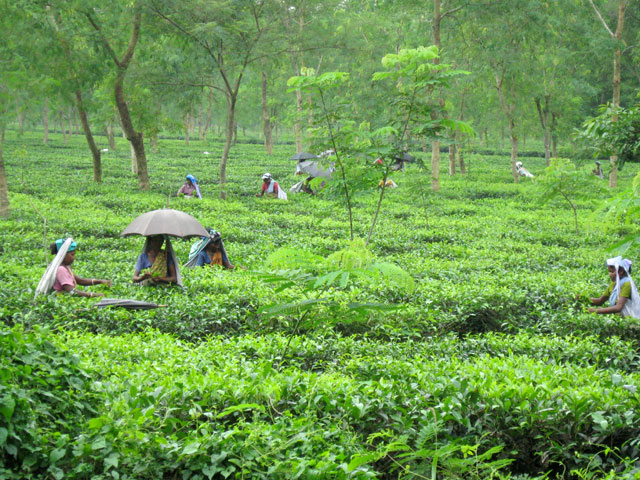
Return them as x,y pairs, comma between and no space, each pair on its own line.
622,293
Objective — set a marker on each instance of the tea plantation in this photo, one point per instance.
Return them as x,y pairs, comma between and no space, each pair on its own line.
485,365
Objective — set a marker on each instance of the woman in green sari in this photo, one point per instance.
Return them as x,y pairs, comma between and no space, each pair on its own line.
155,265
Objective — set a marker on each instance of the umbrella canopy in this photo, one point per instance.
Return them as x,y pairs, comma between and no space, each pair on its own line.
313,168
303,156
124,303
165,222
405,157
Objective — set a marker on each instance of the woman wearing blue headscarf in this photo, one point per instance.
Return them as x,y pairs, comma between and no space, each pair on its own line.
65,280
190,187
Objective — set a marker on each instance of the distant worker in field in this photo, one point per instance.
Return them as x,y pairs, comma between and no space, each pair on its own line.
209,251
59,275
271,188
190,188
597,171
388,184
523,171
622,293
156,265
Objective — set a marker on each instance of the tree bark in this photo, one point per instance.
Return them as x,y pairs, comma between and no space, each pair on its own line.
435,146
45,121
187,128
234,140
76,130
122,65
460,154
64,132
70,120
21,121
617,55
452,159
207,125
266,118
543,113
508,110
4,189
514,149
435,166
111,137
231,113
134,159
95,151
554,137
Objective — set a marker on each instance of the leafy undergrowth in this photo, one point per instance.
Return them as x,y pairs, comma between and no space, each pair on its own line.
454,346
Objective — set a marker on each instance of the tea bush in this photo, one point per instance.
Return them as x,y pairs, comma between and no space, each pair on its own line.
485,365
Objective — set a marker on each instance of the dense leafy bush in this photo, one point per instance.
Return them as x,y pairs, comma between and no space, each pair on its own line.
487,362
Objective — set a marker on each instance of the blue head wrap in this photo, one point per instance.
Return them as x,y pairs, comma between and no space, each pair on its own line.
192,178
60,241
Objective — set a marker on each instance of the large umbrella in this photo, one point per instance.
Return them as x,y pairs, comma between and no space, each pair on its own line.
405,157
303,156
125,303
165,222
313,169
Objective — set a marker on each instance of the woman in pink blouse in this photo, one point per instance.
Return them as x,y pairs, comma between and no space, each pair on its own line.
66,280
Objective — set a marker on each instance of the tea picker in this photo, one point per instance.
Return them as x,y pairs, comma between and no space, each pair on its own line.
159,225
523,171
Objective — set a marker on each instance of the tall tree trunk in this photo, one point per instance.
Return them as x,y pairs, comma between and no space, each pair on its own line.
460,154
554,137
297,126
61,121
4,189
21,121
207,125
125,117
134,159
45,121
543,113
452,159
617,56
266,118
111,137
69,121
508,110
231,123
134,137
154,142
435,166
615,102
514,149
234,140
75,122
95,151
187,128
435,146
502,136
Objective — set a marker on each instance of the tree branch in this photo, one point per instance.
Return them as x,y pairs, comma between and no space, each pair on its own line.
128,54
602,19
105,42
449,12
